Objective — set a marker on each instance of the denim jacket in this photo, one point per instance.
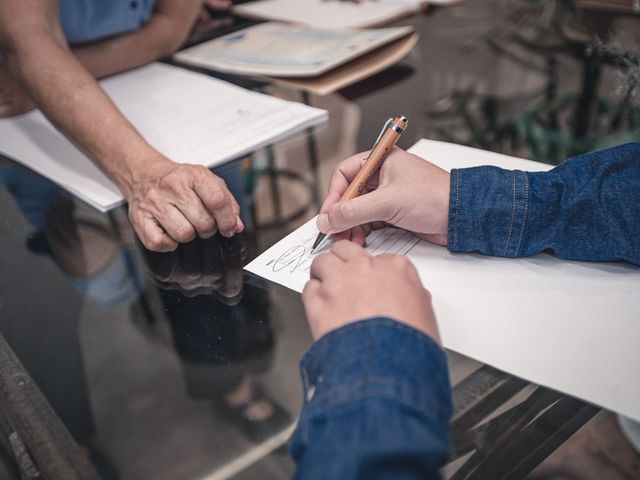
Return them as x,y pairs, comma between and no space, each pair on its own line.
377,397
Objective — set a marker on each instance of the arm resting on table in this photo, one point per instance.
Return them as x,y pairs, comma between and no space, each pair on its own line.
588,208
377,404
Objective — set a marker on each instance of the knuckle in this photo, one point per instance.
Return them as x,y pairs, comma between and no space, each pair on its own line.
335,172
152,243
217,198
427,295
184,233
206,224
200,170
171,182
157,243
345,211
402,261
402,264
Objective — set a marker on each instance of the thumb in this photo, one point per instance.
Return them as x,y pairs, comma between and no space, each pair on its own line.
344,215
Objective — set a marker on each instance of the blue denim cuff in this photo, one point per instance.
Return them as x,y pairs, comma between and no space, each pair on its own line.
377,357
488,210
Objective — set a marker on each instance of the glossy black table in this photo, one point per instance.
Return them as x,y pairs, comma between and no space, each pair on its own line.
178,366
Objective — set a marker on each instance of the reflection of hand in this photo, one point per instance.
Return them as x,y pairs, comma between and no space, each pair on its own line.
408,192
202,267
218,5
13,99
348,284
173,203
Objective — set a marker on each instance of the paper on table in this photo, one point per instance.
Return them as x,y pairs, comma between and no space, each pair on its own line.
571,326
333,14
285,50
189,117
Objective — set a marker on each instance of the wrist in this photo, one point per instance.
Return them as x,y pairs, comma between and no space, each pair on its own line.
140,168
442,208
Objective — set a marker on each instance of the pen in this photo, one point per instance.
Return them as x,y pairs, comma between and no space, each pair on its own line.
388,137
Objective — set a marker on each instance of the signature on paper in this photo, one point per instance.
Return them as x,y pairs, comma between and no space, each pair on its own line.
297,258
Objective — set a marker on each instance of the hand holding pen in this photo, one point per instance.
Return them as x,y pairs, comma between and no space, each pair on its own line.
407,192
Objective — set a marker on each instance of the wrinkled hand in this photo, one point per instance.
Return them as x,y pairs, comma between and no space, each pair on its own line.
13,99
408,192
210,266
173,203
347,285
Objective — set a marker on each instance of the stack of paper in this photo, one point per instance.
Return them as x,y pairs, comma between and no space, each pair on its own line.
571,326
189,117
330,14
286,50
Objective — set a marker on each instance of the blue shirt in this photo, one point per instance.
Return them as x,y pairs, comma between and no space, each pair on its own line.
588,208
88,20
377,397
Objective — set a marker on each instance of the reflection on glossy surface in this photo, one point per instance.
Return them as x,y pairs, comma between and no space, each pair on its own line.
176,365
221,329
203,266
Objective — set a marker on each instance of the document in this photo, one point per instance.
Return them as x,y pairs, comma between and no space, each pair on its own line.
330,14
189,117
286,50
570,326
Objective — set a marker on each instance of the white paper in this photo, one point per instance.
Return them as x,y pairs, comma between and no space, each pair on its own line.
286,50
330,14
570,326
189,117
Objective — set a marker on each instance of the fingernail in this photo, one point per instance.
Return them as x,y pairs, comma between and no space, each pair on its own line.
323,222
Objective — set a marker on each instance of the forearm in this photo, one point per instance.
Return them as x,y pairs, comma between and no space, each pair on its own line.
377,404
586,209
163,34
72,100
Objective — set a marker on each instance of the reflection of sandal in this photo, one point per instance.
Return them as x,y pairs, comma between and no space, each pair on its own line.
257,429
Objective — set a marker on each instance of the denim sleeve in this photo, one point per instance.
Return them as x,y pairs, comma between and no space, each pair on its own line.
588,208
377,405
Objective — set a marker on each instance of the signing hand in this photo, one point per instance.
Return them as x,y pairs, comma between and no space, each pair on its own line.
13,99
408,192
173,203
348,285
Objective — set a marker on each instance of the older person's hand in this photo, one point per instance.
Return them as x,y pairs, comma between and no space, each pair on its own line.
171,203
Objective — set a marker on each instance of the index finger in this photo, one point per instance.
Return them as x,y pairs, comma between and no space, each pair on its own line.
341,178
218,200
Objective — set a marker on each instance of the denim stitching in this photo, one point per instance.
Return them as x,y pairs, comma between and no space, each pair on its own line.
455,224
526,208
513,215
